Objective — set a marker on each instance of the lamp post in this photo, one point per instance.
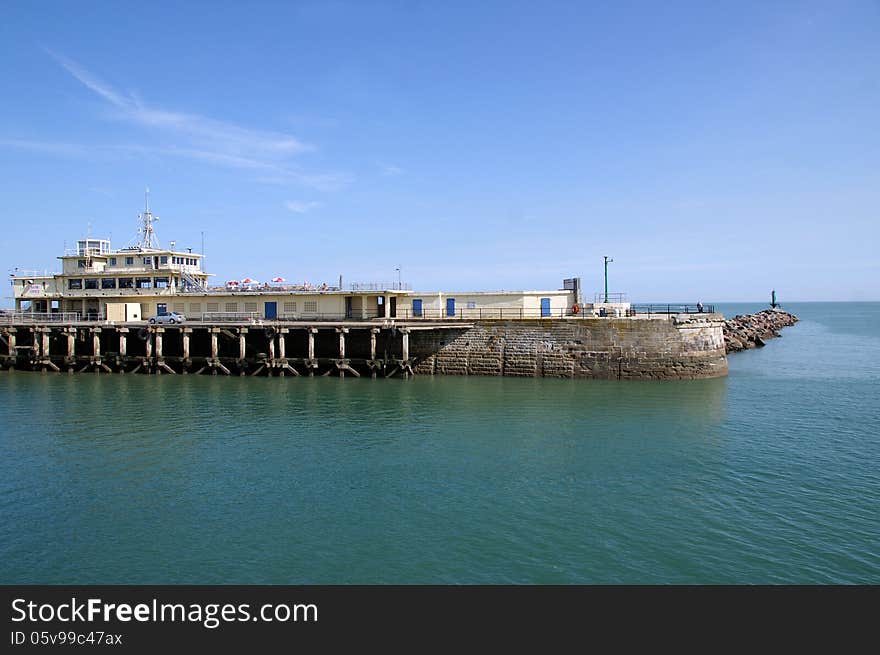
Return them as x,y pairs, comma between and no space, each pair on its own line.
607,261
398,277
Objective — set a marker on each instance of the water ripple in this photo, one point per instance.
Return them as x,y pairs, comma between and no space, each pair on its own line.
768,476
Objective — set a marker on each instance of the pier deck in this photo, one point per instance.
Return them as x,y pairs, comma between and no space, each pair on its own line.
270,348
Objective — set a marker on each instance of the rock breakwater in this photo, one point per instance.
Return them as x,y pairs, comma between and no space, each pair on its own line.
746,331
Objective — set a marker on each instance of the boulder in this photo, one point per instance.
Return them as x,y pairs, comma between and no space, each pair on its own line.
746,331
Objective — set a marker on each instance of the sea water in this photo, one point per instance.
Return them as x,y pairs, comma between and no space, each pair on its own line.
767,476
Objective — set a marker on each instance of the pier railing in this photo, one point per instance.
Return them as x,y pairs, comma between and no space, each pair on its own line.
486,313
615,297
673,309
230,317
47,317
380,286
401,313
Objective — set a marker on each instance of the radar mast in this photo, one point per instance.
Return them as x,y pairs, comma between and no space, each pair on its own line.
146,231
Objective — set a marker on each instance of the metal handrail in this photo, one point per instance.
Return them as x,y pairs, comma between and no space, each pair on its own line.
25,273
230,317
380,286
41,317
459,314
50,317
673,309
616,297
402,313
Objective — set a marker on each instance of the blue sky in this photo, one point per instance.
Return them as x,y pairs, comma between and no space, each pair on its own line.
715,150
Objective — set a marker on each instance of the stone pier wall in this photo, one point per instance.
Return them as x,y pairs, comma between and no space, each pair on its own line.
669,347
674,347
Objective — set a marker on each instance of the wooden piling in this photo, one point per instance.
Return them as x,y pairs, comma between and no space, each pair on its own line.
71,344
187,362
242,350
343,364
312,363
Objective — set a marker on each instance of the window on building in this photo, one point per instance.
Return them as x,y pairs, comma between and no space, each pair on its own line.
178,307
195,308
310,306
113,261
126,282
472,305
80,263
143,283
91,283
250,307
129,261
213,306
148,261
74,284
163,259
108,282
160,282
232,307
290,307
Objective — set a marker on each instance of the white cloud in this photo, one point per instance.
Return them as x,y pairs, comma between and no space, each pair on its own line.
390,169
88,80
302,207
227,136
52,147
203,138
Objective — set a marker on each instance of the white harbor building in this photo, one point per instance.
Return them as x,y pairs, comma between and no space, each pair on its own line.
133,283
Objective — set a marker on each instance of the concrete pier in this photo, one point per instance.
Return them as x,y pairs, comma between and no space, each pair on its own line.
204,348
658,347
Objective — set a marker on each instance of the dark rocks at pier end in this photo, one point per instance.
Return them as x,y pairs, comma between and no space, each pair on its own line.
746,331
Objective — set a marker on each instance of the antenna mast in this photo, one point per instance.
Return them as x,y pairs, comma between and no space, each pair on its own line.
149,240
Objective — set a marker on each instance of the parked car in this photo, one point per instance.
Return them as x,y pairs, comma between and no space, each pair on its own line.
170,317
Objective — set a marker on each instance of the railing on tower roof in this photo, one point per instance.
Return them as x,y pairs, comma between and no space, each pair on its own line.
379,286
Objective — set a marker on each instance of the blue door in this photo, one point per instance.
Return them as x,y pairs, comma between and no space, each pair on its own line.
271,310
450,306
417,306
545,307
161,309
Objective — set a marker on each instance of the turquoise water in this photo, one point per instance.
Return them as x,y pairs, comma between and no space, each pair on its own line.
768,476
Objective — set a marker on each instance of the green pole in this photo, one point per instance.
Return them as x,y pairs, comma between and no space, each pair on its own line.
607,260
